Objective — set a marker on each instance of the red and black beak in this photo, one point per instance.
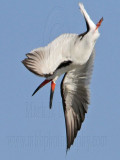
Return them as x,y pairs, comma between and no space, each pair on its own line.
52,93
41,85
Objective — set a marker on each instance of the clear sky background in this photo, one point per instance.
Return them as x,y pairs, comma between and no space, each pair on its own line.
28,129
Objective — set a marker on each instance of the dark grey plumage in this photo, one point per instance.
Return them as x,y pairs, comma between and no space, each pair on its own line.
75,93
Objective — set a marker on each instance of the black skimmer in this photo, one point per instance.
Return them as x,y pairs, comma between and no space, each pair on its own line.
73,55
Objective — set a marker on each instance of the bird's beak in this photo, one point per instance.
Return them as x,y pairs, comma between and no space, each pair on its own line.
99,23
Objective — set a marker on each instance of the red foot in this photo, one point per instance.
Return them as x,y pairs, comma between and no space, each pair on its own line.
99,23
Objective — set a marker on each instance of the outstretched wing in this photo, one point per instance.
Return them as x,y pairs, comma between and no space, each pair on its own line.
37,62
75,97
44,61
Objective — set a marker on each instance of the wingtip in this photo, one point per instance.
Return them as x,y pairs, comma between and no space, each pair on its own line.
24,62
68,148
66,151
26,54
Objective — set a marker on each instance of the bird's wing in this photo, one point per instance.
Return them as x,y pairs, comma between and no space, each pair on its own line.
37,62
45,61
75,97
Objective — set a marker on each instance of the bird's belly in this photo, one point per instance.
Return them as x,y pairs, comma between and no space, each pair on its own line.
84,57
82,53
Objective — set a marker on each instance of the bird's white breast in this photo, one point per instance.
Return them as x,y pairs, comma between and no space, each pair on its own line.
83,48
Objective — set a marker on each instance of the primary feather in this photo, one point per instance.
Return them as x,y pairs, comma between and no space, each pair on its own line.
75,96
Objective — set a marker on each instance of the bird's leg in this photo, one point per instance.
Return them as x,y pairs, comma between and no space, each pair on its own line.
52,92
99,23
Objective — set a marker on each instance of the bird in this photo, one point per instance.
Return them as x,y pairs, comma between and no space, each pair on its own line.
71,55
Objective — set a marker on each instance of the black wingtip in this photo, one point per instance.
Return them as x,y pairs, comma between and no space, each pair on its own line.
22,61
67,149
25,60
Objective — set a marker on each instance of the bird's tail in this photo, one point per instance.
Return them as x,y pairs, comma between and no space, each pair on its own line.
88,20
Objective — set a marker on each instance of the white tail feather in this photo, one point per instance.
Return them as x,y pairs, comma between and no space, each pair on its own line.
87,17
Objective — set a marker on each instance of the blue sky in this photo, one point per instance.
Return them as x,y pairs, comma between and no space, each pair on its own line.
28,129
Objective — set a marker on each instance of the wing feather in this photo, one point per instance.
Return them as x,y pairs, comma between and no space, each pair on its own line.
75,97
44,61
37,62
